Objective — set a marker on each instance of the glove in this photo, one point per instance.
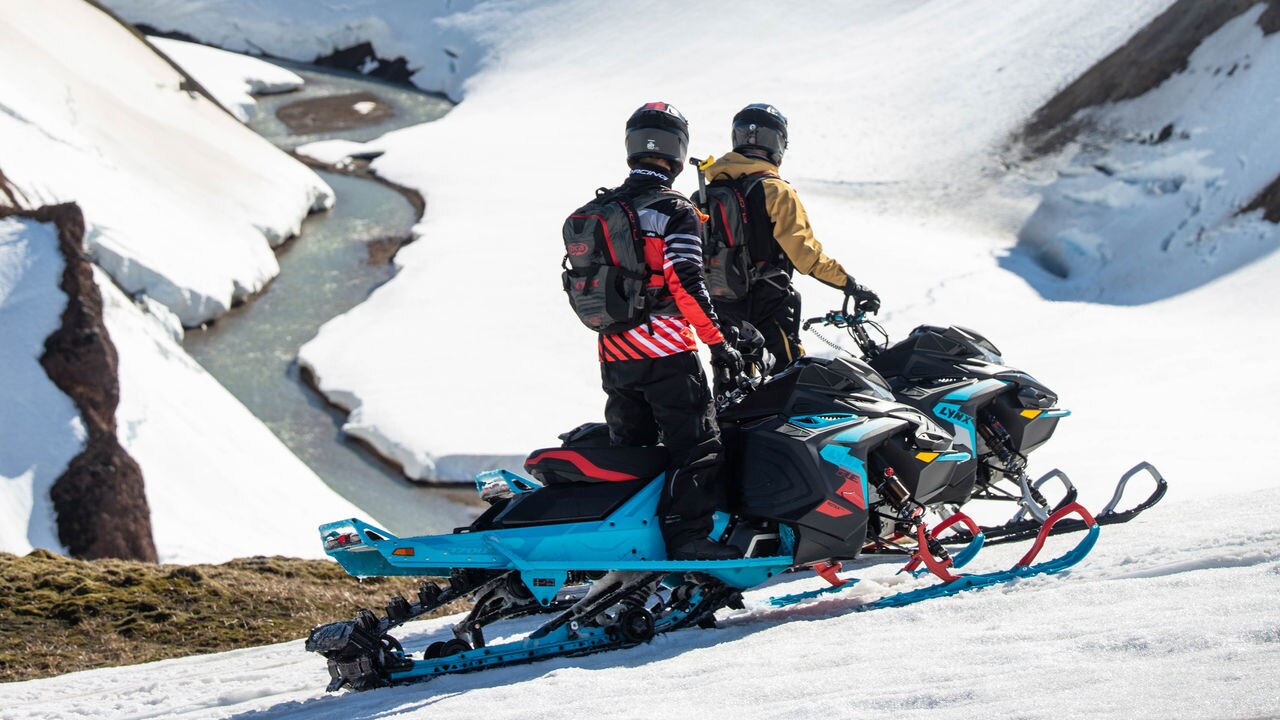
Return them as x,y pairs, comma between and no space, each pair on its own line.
726,357
863,299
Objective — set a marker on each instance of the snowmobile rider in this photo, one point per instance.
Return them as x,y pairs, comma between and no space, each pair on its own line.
779,237
651,373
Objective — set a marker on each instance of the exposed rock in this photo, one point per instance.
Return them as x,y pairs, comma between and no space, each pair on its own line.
100,500
9,191
1268,201
358,58
151,30
1154,54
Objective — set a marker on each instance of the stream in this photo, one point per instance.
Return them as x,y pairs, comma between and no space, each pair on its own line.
328,269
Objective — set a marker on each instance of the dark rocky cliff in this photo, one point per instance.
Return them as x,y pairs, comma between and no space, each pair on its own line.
100,500
1151,56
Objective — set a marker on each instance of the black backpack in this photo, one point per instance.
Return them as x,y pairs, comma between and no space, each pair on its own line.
726,253
605,275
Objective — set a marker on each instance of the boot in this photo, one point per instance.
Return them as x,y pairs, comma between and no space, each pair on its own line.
702,548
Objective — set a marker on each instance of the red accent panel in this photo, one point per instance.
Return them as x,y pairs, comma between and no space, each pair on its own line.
724,223
607,240
831,509
851,490
690,309
653,249
587,467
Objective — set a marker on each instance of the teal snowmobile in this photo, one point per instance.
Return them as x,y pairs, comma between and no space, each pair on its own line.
998,413
810,454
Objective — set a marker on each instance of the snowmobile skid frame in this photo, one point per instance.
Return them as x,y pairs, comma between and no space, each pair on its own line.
622,607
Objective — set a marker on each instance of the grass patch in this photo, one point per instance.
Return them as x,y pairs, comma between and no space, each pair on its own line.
59,615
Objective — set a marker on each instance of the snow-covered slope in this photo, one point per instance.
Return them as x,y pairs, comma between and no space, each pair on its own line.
1146,204
219,484
897,111
440,41
231,78
40,427
895,108
179,201
184,203
1170,616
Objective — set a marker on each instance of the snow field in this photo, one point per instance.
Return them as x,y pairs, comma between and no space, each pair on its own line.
439,40
107,127
445,348
1172,615
1137,220
183,202
40,427
233,79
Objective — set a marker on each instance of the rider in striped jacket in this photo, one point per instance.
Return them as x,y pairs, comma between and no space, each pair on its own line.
654,381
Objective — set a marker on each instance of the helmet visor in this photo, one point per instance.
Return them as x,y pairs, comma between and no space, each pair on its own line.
657,142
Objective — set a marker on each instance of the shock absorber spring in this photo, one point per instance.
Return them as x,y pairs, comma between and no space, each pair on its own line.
892,489
1001,443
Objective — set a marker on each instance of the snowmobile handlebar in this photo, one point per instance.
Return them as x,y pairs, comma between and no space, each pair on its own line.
855,323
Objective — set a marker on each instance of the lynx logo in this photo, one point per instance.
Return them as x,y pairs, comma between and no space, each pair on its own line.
954,414
578,249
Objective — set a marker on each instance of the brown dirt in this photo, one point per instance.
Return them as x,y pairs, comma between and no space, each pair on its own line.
335,112
382,250
59,615
99,499
1155,53
1268,201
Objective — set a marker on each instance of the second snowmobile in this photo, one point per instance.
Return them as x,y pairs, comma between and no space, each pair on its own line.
994,411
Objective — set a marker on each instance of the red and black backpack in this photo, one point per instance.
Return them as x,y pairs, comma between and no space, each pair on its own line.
726,251
605,274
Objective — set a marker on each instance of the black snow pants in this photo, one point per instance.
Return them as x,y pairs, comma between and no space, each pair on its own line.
667,399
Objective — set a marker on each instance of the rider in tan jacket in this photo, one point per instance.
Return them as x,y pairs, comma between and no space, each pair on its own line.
780,238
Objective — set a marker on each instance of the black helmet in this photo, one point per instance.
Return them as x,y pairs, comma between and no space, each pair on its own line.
657,129
760,126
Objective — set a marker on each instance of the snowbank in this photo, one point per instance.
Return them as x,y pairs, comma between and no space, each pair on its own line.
233,79
219,484
471,350
1170,616
40,427
1146,205
183,202
439,40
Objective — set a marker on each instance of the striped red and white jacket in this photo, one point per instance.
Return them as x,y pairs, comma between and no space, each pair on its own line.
670,229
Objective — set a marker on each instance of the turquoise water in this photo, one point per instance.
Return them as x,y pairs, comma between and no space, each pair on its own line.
324,272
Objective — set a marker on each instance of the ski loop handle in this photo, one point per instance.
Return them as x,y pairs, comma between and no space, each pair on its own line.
1109,514
1028,503
1046,529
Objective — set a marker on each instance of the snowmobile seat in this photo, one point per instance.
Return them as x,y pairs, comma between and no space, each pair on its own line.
557,466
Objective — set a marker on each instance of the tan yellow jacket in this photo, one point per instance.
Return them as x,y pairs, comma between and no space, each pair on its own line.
791,227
